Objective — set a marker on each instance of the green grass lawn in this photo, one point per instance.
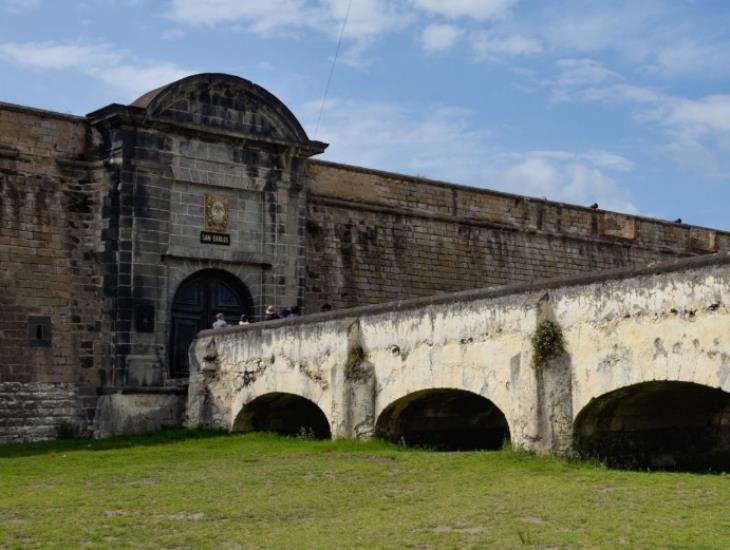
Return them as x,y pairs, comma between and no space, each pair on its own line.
183,489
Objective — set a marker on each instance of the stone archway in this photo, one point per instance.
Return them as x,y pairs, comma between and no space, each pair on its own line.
194,306
659,425
285,414
444,419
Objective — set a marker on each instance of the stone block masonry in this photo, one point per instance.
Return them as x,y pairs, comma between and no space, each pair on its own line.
375,237
35,411
106,274
52,321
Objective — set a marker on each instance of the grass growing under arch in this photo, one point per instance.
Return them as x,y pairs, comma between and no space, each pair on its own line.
204,489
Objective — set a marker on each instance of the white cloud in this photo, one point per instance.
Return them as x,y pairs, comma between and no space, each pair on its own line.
173,34
366,18
696,129
440,142
690,55
98,61
136,80
434,141
488,45
600,159
480,10
706,115
576,76
620,92
262,15
574,72
571,181
589,26
655,36
53,55
437,37
15,6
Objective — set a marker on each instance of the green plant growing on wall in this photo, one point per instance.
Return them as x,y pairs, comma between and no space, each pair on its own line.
547,343
354,357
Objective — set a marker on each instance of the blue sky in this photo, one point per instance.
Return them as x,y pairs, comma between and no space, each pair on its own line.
622,103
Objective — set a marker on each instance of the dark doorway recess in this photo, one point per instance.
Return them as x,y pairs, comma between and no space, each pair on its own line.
196,302
285,414
445,420
658,425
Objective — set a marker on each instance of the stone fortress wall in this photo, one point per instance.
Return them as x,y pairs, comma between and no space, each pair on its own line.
376,236
54,327
101,221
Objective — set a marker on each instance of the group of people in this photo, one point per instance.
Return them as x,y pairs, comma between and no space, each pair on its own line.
271,314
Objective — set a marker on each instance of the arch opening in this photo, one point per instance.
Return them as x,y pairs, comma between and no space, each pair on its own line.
657,425
196,302
445,420
284,414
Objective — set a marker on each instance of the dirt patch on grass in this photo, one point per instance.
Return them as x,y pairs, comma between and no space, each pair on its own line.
115,513
531,519
467,530
182,516
379,459
11,518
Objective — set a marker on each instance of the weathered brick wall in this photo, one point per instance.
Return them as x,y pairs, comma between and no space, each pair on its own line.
51,197
375,237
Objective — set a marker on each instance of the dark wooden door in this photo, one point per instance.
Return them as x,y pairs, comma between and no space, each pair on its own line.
195,305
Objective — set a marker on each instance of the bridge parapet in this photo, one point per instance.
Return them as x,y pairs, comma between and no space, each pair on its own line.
669,322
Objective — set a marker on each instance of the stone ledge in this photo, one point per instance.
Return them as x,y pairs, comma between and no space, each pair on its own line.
40,112
698,262
225,256
486,191
131,390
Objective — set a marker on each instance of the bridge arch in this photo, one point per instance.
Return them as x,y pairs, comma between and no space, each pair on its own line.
659,424
285,414
444,418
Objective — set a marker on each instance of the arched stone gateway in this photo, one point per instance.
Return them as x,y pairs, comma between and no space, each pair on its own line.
660,424
444,419
196,302
285,414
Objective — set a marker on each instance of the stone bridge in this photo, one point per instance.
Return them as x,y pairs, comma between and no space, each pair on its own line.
632,366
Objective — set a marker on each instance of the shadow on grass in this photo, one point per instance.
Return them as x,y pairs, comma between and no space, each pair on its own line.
162,437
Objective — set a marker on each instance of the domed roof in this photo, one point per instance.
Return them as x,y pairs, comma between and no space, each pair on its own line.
229,103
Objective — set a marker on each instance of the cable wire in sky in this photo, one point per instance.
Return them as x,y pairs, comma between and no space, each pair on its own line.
332,68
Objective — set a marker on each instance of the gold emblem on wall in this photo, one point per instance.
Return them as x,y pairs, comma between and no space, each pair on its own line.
216,213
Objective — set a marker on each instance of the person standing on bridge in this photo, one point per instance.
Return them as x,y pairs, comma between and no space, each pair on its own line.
271,314
219,322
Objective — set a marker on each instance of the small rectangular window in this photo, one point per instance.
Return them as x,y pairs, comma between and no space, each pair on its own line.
39,331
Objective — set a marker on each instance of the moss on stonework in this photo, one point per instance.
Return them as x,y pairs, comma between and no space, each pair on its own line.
547,343
354,357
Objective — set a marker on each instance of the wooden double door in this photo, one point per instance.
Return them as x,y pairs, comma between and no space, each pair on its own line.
197,301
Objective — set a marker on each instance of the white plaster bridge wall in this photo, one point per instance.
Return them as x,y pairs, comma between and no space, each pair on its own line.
666,322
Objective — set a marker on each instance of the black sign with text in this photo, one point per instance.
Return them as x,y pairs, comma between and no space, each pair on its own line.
207,237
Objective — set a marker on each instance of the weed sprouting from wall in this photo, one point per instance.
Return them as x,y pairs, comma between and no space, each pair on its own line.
355,356
547,343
